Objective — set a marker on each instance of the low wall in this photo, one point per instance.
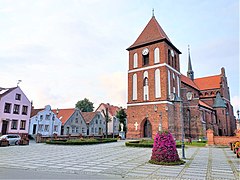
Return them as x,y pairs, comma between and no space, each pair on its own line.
221,140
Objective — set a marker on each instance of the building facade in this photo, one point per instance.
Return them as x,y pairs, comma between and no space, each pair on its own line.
161,98
96,125
15,109
113,124
45,122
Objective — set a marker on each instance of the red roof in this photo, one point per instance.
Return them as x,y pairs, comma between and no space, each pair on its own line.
35,111
64,114
88,116
152,32
188,81
112,110
210,82
201,103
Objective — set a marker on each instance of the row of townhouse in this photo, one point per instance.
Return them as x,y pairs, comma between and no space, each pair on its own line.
17,116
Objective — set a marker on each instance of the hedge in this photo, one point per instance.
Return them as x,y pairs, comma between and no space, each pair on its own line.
142,144
81,141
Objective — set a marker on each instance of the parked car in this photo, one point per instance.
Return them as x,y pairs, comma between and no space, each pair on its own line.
13,139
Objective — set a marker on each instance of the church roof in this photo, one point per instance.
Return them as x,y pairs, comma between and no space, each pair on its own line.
152,32
210,82
201,103
188,81
219,102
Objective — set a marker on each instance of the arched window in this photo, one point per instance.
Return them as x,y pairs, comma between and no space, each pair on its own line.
169,84
169,57
145,86
134,81
157,84
174,83
135,60
156,55
178,86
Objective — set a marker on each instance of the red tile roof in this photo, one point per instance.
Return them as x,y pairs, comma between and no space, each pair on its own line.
201,103
152,32
188,81
88,116
35,111
64,114
210,82
112,110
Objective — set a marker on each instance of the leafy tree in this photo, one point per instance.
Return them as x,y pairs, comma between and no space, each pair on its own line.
85,105
121,115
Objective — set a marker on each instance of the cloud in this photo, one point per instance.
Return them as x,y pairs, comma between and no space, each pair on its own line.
235,101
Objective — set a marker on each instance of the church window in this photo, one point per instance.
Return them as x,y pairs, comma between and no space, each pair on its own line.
169,84
157,84
156,55
145,86
174,90
145,59
206,94
178,86
134,80
135,60
169,57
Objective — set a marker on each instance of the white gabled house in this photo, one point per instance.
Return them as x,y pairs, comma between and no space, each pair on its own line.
44,122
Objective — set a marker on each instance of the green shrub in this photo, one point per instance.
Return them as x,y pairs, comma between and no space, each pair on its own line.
81,141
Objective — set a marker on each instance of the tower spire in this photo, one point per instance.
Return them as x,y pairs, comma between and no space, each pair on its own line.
153,12
190,72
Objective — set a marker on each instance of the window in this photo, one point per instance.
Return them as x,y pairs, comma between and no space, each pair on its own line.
18,97
100,121
157,84
145,59
96,121
77,129
98,116
83,130
22,125
16,109
134,96
47,117
169,57
178,86
7,108
46,128
95,130
73,129
24,110
156,55
174,89
169,84
41,117
55,129
135,60
92,130
14,124
145,86
40,127
76,120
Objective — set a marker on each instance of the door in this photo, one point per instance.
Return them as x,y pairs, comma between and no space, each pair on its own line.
4,127
34,128
147,129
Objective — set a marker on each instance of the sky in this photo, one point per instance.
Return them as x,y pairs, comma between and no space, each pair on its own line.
68,50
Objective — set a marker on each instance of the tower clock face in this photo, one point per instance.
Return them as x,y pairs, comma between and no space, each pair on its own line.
145,51
189,96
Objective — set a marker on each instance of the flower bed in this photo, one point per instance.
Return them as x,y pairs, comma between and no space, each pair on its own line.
81,141
164,150
4,143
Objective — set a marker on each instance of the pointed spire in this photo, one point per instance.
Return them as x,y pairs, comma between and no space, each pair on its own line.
153,12
190,72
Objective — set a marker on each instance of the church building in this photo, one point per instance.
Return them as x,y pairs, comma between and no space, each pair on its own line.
161,98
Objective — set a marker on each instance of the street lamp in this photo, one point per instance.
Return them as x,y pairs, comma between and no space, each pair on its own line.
52,125
160,123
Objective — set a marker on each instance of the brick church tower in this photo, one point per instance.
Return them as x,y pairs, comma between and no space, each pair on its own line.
153,84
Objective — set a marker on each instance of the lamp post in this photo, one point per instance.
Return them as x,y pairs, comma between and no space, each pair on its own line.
160,123
178,99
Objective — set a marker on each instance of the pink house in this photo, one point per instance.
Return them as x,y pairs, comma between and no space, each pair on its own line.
15,109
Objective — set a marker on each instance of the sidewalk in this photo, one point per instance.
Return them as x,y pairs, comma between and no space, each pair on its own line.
118,161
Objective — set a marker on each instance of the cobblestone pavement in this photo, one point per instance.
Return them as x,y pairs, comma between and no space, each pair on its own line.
114,159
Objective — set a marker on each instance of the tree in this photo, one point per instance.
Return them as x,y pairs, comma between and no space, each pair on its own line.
85,105
107,119
121,115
